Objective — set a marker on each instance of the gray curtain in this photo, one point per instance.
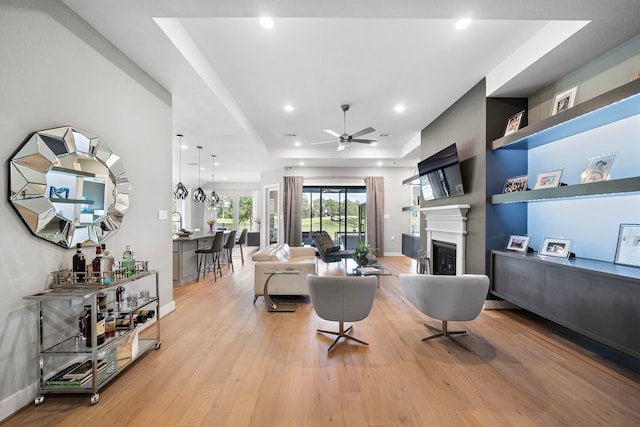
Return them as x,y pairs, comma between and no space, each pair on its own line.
375,213
292,207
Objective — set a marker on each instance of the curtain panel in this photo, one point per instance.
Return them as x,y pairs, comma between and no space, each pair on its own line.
292,207
375,213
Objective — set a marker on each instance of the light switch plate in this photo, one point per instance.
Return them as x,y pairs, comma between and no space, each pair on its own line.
162,215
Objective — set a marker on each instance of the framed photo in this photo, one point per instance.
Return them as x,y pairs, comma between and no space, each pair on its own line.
555,246
513,124
518,243
564,100
628,249
548,179
515,184
597,169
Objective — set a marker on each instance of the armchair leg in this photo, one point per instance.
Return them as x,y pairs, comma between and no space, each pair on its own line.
342,333
441,333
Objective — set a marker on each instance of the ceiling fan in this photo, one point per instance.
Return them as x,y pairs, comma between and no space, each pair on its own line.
345,139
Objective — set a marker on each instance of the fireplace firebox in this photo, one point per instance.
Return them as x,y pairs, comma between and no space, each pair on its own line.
444,258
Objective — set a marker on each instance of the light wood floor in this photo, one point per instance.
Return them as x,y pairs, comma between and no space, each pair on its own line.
227,362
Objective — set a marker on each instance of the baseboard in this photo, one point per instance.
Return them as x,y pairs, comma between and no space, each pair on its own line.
386,254
494,304
17,401
167,308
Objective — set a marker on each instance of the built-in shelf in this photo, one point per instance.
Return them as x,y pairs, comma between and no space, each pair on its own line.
609,107
591,189
414,180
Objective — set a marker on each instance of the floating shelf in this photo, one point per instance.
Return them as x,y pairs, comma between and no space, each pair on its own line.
617,104
591,189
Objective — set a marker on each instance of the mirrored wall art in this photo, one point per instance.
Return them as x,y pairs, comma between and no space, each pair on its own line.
69,187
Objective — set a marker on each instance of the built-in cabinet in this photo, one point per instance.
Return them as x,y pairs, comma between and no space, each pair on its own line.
594,297
410,245
70,358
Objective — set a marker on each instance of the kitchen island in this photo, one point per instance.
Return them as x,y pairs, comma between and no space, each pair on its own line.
185,268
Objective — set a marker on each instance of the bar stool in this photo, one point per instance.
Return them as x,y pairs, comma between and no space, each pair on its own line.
231,242
215,251
242,240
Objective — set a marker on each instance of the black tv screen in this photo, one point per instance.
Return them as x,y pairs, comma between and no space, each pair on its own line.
440,174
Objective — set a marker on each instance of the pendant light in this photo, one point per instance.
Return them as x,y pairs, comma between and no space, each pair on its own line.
198,195
214,199
180,192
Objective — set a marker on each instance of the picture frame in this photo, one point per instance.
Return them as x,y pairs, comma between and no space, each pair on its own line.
518,243
549,179
513,124
515,184
597,169
556,247
564,100
628,248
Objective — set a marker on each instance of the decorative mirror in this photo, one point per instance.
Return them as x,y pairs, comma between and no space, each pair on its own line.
69,187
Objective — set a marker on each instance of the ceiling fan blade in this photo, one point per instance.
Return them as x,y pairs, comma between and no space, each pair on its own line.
332,133
364,141
323,142
362,132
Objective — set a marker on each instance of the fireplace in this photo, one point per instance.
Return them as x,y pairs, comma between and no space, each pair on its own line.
446,238
444,258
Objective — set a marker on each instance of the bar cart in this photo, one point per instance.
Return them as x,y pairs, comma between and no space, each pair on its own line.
75,355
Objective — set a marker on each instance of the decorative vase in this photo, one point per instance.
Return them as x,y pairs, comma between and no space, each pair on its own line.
210,228
362,261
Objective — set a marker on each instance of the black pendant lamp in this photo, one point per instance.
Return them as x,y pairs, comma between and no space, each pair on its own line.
214,199
199,196
180,192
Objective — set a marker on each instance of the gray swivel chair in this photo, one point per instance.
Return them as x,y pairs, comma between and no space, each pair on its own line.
342,299
228,247
446,298
242,241
215,250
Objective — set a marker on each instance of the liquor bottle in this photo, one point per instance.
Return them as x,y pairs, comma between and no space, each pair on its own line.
110,324
96,263
79,264
120,290
128,262
100,327
106,266
82,321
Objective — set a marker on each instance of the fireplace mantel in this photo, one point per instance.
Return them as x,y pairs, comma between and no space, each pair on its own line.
448,224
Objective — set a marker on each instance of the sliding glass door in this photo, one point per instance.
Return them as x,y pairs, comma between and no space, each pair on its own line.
336,210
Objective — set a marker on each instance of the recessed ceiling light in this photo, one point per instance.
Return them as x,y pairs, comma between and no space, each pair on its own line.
288,108
184,147
463,23
267,22
297,143
301,163
373,144
379,163
399,108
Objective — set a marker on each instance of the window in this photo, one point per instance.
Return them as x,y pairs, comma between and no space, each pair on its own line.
225,212
340,211
245,212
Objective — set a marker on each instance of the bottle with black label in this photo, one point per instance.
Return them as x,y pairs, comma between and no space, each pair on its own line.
79,264
97,263
100,327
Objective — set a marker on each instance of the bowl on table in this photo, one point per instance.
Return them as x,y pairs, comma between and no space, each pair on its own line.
184,233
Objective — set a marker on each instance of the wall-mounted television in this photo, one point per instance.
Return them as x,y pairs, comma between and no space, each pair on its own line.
440,174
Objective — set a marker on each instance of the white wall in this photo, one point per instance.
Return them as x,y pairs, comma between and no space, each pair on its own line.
55,71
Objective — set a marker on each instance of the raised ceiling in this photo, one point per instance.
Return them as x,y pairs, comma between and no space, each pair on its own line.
230,78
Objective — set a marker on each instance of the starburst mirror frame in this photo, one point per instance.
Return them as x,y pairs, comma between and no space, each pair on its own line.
69,187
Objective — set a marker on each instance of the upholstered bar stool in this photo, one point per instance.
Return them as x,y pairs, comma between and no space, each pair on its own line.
215,250
231,243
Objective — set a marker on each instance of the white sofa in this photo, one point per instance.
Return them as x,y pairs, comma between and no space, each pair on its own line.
280,256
